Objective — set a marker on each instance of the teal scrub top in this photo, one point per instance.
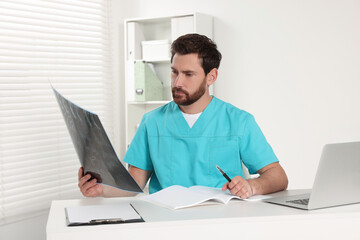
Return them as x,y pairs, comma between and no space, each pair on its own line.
176,154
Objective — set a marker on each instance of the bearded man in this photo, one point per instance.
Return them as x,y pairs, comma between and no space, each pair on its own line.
181,142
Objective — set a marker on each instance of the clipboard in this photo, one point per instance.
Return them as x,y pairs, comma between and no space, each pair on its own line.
101,214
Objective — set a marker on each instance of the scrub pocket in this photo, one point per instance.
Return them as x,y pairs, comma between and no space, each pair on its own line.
225,154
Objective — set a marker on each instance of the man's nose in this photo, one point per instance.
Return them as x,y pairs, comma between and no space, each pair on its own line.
178,81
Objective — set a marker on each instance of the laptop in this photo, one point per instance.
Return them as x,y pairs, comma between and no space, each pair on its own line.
337,180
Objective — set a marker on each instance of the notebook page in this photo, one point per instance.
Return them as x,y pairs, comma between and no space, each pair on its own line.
176,197
217,193
225,196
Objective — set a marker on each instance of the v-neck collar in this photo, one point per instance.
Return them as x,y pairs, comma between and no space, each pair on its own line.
183,126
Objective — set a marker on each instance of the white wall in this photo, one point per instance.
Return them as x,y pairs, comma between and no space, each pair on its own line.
295,65
119,10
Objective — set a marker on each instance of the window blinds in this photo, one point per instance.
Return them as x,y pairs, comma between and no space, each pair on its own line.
65,42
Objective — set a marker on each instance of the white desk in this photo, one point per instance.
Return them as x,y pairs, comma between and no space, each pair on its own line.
238,219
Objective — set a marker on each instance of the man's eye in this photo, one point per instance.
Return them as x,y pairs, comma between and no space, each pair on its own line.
189,74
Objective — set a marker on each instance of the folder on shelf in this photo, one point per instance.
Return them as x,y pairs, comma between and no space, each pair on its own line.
102,214
148,87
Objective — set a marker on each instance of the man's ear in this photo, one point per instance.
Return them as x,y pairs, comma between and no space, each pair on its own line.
211,76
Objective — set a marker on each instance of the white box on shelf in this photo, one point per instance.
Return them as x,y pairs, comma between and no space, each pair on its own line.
155,50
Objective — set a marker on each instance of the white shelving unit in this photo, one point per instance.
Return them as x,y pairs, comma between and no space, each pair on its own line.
155,29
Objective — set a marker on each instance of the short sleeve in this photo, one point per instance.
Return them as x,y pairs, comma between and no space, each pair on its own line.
255,151
138,154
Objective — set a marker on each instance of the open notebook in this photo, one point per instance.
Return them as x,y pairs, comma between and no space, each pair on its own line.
177,197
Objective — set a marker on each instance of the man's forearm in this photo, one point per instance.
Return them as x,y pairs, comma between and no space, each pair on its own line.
139,175
114,192
272,179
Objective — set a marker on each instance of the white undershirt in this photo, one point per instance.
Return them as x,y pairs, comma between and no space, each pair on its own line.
191,118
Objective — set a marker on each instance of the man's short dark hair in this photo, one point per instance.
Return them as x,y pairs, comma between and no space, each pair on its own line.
200,44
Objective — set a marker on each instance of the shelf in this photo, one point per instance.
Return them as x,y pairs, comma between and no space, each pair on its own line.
165,60
159,18
149,102
158,29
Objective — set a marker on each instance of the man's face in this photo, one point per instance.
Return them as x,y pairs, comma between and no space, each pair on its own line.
188,80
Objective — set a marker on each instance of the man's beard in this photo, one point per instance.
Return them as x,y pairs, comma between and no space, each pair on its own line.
187,99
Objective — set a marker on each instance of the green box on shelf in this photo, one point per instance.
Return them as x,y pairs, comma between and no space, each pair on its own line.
148,87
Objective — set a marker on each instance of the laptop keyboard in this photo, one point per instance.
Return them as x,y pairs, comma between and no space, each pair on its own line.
304,201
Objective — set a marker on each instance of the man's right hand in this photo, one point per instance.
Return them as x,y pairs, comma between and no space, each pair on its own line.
89,188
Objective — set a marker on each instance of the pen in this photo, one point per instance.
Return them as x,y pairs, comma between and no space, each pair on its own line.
102,221
224,174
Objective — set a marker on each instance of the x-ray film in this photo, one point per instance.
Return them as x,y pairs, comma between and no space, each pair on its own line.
96,154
